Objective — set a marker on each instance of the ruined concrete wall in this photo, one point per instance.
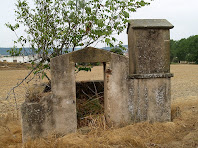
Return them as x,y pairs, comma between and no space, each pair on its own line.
50,115
116,93
55,113
33,117
135,89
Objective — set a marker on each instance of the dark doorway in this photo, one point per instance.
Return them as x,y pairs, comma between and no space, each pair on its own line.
90,95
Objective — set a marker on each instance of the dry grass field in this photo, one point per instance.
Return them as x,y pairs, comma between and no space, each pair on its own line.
181,132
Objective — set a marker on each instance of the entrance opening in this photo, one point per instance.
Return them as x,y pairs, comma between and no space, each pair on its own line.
89,92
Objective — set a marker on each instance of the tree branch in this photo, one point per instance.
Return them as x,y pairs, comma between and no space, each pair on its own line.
12,89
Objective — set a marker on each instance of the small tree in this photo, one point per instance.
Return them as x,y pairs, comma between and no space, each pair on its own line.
185,49
55,27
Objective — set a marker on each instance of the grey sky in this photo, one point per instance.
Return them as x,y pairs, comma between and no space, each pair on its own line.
183,14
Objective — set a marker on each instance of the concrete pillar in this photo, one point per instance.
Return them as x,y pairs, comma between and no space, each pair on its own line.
64,87
116,91
149,70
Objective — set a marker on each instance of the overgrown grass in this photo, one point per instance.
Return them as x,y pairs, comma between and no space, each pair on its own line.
10,130
181,132
88,109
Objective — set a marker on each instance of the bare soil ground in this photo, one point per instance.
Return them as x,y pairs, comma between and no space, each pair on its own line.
9,78
182,132
185,81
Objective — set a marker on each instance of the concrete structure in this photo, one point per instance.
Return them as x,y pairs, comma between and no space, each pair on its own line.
135,88
149,70
61,117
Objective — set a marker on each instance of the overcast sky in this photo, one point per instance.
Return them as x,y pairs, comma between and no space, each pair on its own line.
183,14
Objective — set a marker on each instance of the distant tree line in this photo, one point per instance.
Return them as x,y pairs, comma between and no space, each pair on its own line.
185,50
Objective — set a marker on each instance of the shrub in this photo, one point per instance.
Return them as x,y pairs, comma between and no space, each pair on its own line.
117,50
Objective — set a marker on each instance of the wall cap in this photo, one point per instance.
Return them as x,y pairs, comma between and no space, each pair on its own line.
149,24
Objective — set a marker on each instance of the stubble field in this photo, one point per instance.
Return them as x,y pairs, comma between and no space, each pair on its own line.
182,132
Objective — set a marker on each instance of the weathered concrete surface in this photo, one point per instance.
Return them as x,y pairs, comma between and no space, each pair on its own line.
149,51
149,70
149,76
33,117
135,89
50,115
150,23
116,91
150,99
89,55
64,88
63,77
57,113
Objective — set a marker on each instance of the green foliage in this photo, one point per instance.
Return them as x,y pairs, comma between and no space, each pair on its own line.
185,49
117,50
14,51
89,64
55,26
84,68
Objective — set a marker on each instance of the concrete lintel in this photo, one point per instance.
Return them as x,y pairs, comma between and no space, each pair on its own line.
89,55
150,24
150,76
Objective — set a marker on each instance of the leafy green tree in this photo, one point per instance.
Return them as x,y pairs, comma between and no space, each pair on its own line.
185,49
172,50
193,48
54,27
190,57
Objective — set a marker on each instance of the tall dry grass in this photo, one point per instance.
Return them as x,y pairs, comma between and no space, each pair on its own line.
181,132
10,130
